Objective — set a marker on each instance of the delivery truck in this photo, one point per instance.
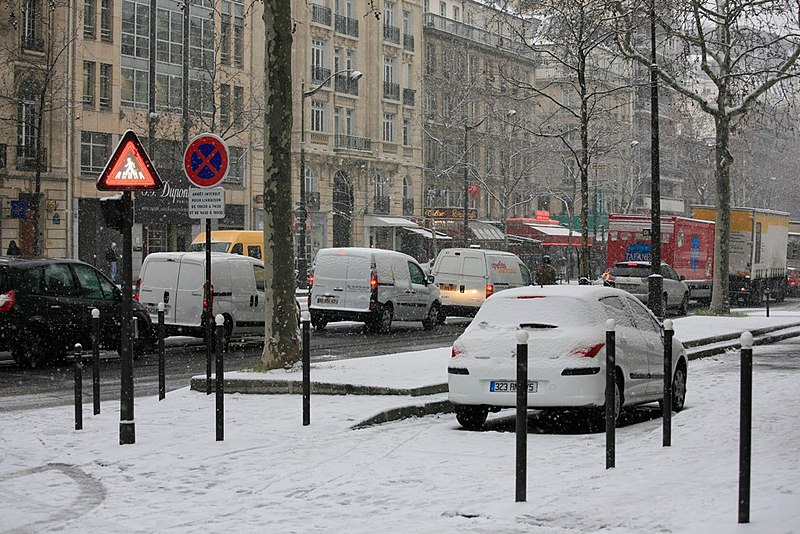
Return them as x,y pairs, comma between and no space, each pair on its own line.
757,255
687,245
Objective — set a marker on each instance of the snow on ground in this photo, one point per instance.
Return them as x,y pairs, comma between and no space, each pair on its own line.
271,474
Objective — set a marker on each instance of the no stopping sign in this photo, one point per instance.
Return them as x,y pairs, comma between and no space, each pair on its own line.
205,161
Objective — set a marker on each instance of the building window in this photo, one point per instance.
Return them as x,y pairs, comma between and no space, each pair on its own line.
456,13
236,166
442,9
169,89
201,43
349,121
318,71
106,83
169,37
225,32
133,88
406,132
135,29
238,105
201,96
388,69
88,84
31,27
238,35
106,20
388,14
317,116
89,19
26,121
95,151
388,126
225,105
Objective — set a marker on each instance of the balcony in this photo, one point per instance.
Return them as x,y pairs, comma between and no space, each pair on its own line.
409,97
391,91
312,200
27,157
344,84
381,205
320,75
351,142
408,206
408,42
30,42
346,25
391,34
320,14
479,35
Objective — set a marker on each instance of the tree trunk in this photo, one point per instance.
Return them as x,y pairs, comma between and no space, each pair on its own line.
282,343
720,300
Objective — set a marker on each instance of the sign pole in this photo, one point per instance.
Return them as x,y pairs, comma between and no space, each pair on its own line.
209,315
127,429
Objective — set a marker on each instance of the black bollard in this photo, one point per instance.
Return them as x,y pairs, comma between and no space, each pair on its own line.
306,369
766,292
96,360
611,380
666,403
162,386
219,378
745,425
78,357
522,416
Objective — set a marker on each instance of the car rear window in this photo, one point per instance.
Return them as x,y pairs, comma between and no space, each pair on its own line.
637,272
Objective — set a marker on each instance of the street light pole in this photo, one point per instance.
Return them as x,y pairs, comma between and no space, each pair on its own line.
655,302
301,214
467,129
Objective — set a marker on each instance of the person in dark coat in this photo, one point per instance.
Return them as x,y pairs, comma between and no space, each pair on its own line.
13,249
111,258
546,274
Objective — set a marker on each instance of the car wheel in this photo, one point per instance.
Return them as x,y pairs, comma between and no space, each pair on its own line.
684,309
432,320
384,323
442,316
679,388
32,349
471,417
320,324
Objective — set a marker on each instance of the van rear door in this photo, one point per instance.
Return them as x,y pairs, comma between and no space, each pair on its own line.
159,280
189,293
461,277
341,281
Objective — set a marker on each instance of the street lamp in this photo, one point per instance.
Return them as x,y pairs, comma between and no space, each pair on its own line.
301,214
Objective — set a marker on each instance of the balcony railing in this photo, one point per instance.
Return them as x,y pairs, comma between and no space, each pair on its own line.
409,97
479,35
351,142
391,91
408,42
320,14
346,25
408,206
312,200
344,84
27,158
30,42
381,205
391,34
320,74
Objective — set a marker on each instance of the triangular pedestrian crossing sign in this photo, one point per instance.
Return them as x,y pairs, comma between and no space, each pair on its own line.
129,168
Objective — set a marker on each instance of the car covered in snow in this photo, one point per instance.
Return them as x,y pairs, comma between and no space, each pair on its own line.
566,353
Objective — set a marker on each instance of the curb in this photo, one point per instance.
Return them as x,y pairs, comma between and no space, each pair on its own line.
406,412
728,337
278,387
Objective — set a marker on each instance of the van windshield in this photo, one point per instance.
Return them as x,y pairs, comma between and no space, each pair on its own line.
216,246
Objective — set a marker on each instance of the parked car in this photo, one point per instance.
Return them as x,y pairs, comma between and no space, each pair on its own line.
793,282
567,341
467,276
632,276
374,286
45,308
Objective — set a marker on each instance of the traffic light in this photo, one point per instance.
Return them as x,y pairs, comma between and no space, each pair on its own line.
113,211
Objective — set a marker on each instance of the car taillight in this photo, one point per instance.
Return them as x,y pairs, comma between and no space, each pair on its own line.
373,282
136,289
588,351
489,290
456,351
310,280
7,300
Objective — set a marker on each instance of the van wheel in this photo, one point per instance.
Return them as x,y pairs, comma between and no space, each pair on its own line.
384,322
432,320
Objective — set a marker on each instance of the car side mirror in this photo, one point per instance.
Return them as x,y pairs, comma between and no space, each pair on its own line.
682,278
429,279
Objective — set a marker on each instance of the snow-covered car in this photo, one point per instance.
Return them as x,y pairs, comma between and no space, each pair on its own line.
566,353
632,276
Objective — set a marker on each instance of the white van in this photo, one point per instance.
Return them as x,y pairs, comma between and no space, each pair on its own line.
467,276
370,285
177,279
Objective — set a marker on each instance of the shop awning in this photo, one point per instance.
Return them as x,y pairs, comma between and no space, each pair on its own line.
374,220
485,232
427,233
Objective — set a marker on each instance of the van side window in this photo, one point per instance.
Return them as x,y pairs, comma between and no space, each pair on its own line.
58,280
258,271
89,284
238,248
417,276
526,274
254,251
110,291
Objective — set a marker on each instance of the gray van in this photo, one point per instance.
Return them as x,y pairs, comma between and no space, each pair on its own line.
372,286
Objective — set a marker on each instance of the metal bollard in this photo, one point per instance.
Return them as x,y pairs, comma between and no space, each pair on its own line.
766,292
219,378
611,381
78,360
162,386
745,425
306,320
666,403
522,416
96,360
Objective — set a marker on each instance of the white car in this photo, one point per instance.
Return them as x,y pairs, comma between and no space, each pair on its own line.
632,276
566,352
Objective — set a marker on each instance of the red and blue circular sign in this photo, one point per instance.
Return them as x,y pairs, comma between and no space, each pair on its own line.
205,161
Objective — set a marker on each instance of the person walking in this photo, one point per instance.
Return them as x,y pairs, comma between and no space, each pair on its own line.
111,258
13,249
546,274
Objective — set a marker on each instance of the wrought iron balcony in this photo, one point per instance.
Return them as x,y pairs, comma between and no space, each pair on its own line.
391,91
345,84
391,34
320,75
27,157
351,142
346,25
381,205
320,14
409,97
408,206
408,42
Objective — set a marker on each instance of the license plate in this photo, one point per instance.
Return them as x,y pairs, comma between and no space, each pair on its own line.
447,287
327,299
507,386
154,310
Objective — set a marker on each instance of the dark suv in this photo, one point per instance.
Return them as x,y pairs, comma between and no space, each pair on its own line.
46,306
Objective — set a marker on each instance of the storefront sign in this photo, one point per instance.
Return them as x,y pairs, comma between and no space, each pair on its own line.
450,213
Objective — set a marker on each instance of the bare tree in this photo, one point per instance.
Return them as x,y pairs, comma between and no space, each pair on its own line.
742,52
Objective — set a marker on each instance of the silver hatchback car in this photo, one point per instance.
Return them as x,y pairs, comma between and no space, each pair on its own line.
632,276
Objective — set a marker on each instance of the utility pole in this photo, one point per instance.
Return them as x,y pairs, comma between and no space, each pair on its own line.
655,280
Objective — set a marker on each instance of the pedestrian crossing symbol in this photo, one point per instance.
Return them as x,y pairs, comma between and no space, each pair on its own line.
129,168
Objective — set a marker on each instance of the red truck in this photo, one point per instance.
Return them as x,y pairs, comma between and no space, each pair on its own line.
687,245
